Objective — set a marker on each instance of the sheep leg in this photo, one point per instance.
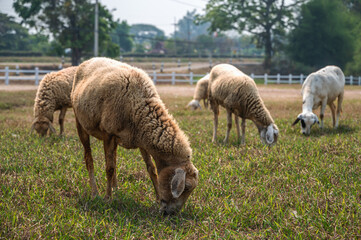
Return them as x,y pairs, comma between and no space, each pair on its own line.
333,108
243,130
323,107
61,119
229,125
215,109
84,139
151,170
110,150
339,108
236,121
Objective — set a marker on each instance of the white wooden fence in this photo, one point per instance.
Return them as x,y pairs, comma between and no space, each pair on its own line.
36,75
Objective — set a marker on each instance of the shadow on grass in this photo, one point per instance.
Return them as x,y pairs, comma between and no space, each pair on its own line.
330,131
126,207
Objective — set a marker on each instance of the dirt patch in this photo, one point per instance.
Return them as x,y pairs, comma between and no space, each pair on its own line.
271,92
267,93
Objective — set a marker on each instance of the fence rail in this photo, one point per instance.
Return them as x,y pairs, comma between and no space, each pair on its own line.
37,75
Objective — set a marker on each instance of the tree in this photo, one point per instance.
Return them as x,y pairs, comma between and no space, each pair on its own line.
13,36
187,29
354,66
120,36
71,22
265,19
323,34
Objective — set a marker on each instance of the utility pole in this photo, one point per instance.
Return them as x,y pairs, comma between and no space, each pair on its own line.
175,40
96,31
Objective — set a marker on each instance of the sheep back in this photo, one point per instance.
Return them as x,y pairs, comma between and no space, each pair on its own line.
327,82
113,97
54,92
234,90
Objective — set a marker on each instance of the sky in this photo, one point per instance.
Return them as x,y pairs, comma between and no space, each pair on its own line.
161,13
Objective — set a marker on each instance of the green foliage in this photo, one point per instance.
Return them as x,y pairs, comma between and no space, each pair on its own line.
120,36
354,67
71,23
188,30
16,38
302,188
264,19
323,34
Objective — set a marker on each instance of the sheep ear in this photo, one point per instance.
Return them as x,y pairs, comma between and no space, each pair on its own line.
32,128
178,182
316,120
270,134
299,117
33,125
52,129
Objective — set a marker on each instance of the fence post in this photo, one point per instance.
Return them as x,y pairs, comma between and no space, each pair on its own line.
6,75
173,78
230,61
265,78
191,78
189,66
17,70
301,79
153,66
154,77
36,76
351,80
210,63
278,78
121,58
252,76
178,62
359,81
290,79
161,67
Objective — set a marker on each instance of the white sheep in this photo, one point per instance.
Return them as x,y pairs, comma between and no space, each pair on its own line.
119,105
53,94
321,88
238,93
200,93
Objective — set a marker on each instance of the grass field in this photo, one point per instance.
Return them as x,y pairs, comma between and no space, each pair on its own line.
304,187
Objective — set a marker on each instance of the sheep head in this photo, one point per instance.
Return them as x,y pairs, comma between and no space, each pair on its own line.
194,105
307,119
41,126
175,186
269,135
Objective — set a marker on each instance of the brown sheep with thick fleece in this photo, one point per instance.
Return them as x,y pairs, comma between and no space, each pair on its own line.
238,94
53,94
200,93
119,105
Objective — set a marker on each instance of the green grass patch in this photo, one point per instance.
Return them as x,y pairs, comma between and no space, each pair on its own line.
304,187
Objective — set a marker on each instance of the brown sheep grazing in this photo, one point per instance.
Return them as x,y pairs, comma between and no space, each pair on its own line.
201,92
238,94
119,105
53,94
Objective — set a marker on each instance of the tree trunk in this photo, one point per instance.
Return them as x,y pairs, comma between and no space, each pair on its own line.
268,50
75,56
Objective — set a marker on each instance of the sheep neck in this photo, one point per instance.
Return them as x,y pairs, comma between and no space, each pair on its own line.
307,102
160,135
